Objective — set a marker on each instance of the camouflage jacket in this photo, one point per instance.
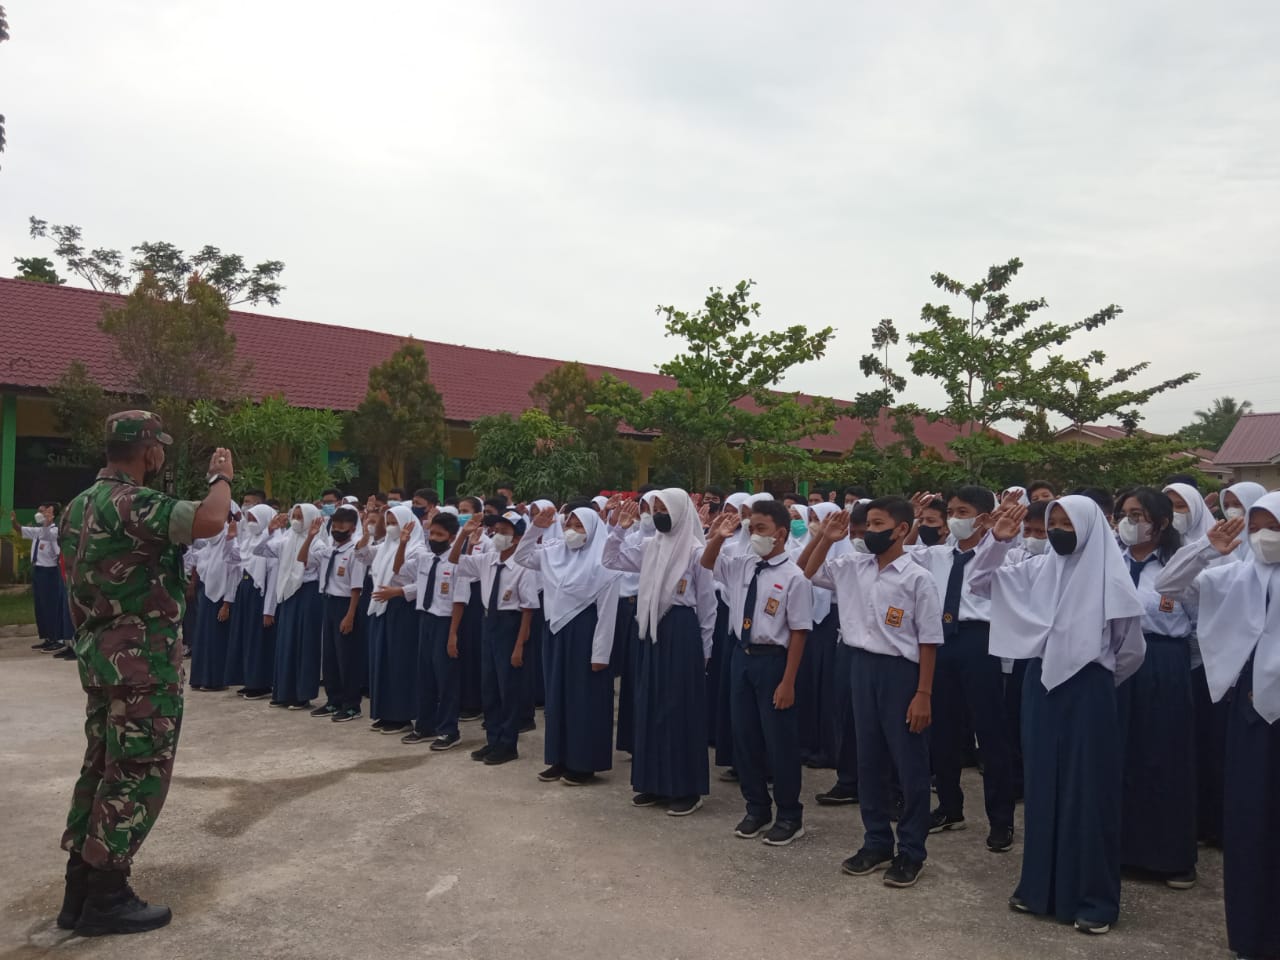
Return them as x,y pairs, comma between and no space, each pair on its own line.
122,543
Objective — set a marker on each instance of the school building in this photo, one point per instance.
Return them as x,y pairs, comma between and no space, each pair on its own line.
318,366
1252,451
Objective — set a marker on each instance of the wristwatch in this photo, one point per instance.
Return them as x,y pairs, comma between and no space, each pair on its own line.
215,477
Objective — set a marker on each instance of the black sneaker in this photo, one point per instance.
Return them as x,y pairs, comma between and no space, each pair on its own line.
751,827
391,729
347,715
257,694
469,715
552,773
1181,881
300,705
446,741
414,736
377,725
482,752
1000,839
1092,926
684,806
783,832
500,755
328,710
646,800
837,796
66,653
729,776
903,872
50,646
866,861
242,691
939,821
1018,905
39,645
278,703
113,907
528,726
571,778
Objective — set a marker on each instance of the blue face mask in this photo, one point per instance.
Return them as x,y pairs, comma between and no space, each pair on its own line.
329,509
799,528
463,518
419,512
392,503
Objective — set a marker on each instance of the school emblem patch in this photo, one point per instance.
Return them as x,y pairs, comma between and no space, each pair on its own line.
681,587
1166,604
894,617
506,597
946,618
771,607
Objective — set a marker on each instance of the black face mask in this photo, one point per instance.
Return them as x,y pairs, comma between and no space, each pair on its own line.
419,512
878,541
438,546
1063,541
930,536
340,536
662,522
713,508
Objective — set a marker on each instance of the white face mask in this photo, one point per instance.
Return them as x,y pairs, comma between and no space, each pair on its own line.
860,545
295,526
646,523
1034,545
575,539
1132,533
1266,545
41,520
762,545
501,541
1234,513
1182,522
962,527
393,531
254,528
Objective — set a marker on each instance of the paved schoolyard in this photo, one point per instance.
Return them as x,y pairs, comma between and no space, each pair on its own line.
290,837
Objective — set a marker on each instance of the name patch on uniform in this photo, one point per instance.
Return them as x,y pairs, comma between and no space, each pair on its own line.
771,607
681,587
894,617
506,596
1166,604
342,571
444,588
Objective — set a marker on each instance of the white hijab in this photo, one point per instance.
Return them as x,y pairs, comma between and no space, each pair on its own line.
1248,493
1068,614
572,580
795,545
256,566
1240,616
216,572
289,576
556,530
1201,521
822,597
1023,499
599,502
666,558
384,562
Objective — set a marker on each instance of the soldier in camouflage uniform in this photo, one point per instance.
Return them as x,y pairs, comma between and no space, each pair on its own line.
122,542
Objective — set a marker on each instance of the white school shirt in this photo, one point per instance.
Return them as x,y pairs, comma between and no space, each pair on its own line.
784,598
696,587
1161,614
517,589
891,611
44,544
274,544
938,561
348,571
443,593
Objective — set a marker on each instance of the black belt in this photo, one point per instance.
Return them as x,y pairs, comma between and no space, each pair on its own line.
764,650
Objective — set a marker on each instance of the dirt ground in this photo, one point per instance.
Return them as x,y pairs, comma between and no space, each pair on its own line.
286,836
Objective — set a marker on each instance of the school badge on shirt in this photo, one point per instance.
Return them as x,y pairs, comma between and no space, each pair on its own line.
506,596
681,587
894,617
1166,604
771,607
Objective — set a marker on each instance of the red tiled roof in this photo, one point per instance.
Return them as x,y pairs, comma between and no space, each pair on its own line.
1102,431
296,358
1255,439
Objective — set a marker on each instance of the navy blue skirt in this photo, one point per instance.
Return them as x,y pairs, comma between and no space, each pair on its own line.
296,677
257,644
724,716
393,642
1071,753
209,653
1157,728
622,662
238,639
49,596
719,653
1211,748
671,710
1251,826
579,712
533,655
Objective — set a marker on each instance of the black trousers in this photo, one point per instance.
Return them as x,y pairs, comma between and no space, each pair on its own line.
342,655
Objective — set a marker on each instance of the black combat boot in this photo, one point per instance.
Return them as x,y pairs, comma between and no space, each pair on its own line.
76,891
113,907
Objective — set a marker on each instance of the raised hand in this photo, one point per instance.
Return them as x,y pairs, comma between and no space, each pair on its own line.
704,515
836,527
542,519
473,525
316,526
406,534
221,463
1223,535
1008,519
921,500
278,522
629,514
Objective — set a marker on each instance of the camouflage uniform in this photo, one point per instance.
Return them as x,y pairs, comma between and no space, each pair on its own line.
126,585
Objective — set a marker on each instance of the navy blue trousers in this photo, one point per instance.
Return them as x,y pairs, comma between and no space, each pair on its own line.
49,595
671,710
724,703
438,674
343,655
393,639
504,688
969,686
1211,748
1251,827
578,719
883,687
209,652
815,693
1157,729
765,739
846,733
623,663
715,670
469,655
1071,843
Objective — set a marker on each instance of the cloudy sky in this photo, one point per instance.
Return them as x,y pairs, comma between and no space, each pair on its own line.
538,176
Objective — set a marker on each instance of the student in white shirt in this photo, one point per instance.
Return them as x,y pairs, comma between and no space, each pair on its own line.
341,586
48,587
510,593
438,681
471,627
722,648
675,617
296,672
255,605
890,615
770,616
393,624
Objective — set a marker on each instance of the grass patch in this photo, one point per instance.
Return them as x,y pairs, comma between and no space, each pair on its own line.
17,608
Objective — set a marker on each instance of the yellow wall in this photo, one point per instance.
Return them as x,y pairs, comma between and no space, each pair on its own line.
35,417
1268,476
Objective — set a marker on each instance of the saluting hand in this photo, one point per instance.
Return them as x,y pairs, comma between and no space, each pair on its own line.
836,527
1223,535
544,518
629,514
1006,523
406,535
316,526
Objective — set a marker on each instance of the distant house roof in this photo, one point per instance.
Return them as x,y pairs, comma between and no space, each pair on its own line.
1254,440
1099,430
320,366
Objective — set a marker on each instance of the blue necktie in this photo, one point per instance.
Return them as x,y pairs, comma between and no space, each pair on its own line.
328,571
1135,568
749,608
493,591
955,586
429,594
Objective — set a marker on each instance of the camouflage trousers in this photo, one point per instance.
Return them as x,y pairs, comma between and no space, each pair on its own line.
132,735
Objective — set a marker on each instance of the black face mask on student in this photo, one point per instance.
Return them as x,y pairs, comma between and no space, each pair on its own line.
713,506
340,536
662,522
419,512
1063,541
930,536
438,546
878,541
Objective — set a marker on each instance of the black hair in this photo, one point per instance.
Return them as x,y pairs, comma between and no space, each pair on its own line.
576,504
382,498
775,511
255,492
1037,510
1117,510
1035,485
859,514
858,493
1159,509
646,488
450,501
427,494
474,502
1186,478
331,492
505,485
899,508
497,503
49,503
938,505
1099,496
714,491
980,498
399,490
346,515
446,522
790,495
274,505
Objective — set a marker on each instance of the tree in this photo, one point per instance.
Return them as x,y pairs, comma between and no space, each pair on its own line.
38,269
540,457
80,408
282,446
1213,426
104,268
401,418
725,394
568,394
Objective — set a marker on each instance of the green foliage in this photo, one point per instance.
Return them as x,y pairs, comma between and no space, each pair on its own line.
80,409
570,395
538,455
726,390
38,269
284,447
1212,427
401,418
1114,465
104,269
